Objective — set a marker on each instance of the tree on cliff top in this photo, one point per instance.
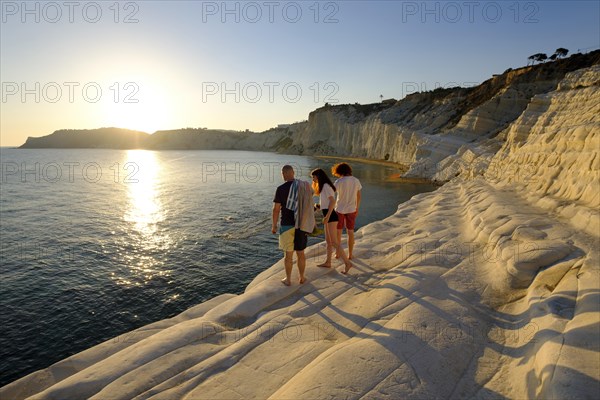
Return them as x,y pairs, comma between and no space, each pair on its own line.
538,57
561,52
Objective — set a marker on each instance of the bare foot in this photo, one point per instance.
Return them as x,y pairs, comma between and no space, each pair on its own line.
302,280
348,266
349,256
337,255
286,282
324,265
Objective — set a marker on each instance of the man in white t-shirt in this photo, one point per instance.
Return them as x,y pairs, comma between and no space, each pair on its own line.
348,202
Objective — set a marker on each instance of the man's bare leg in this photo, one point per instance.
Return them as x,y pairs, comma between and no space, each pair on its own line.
348,266
342,253
301,265
350,242
288,260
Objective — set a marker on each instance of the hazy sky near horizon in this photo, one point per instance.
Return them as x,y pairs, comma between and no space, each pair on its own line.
151,65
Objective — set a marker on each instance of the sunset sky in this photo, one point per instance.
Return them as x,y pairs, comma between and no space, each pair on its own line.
151,65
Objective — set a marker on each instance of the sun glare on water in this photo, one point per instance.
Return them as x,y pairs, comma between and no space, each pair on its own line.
145,209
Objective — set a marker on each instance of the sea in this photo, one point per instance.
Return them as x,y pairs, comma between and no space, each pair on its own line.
95,242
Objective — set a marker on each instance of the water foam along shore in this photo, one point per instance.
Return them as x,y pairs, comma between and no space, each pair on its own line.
488,287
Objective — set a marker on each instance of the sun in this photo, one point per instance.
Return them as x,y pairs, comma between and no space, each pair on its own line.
139,107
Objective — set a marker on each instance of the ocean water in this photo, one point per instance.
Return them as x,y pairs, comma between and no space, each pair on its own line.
95,243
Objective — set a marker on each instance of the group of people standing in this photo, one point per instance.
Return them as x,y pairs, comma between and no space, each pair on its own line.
293,203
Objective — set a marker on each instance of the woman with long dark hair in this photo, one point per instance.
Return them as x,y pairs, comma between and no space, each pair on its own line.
323,187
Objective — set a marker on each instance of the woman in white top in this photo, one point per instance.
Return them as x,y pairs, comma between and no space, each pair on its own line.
323,186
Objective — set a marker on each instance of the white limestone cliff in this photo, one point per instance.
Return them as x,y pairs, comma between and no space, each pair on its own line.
438,135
